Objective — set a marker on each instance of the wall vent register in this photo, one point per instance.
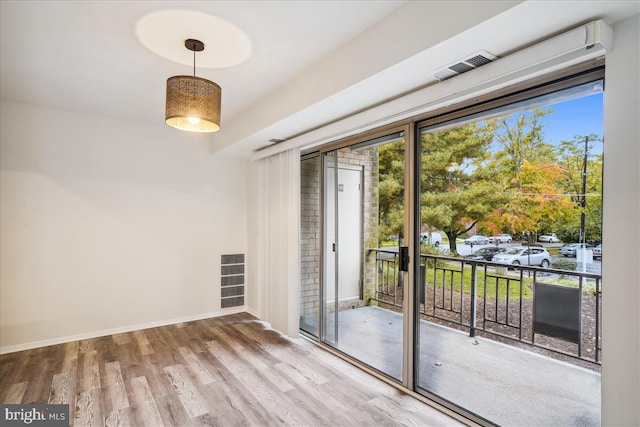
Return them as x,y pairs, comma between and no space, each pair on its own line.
476,60
232,280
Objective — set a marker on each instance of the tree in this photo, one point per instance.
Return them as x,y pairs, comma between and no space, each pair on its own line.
521,138
533,180
534,198
457,189
391,173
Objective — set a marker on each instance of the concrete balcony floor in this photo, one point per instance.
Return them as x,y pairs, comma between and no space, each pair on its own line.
501,383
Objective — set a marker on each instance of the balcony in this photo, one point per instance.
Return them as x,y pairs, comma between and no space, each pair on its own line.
518,345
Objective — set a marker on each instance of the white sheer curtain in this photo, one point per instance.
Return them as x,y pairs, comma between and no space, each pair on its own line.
278,274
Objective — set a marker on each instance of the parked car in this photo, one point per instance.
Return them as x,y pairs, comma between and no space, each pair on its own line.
525,256
549,238
501,238
435,239
486,253
478,239
570,249
597,252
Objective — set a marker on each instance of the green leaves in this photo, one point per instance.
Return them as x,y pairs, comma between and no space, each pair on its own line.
457,187
391,170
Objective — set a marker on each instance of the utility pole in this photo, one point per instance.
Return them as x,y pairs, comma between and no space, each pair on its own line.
583,202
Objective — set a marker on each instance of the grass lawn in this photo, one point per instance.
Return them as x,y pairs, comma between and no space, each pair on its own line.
496,283
452,274
493,280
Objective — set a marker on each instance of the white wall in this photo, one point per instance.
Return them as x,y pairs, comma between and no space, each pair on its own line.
108,224
621,230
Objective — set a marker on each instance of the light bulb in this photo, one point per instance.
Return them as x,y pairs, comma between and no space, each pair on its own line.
194,120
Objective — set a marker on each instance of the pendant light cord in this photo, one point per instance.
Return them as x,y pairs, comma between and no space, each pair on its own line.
193,82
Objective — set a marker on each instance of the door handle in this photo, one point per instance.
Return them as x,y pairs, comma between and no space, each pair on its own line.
404,258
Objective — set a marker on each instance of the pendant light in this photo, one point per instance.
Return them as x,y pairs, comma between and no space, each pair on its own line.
193,103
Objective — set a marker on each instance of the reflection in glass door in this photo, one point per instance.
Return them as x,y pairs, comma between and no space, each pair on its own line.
363,228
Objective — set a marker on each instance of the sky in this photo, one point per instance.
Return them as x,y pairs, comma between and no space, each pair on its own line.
580,116
575,112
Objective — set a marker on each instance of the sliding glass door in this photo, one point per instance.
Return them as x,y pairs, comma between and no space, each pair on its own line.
432,253
489,184
364,233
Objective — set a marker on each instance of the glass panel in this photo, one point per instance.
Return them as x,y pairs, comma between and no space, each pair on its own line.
330,248
310,244
504,190
364,225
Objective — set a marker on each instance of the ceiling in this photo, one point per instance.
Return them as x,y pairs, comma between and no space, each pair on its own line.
311,62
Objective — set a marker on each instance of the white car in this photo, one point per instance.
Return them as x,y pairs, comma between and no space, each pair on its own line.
571,250
549,238
478,239
501,238
526,256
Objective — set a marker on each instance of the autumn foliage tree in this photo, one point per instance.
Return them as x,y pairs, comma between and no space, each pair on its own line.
520,138
531,175
497,176
534,198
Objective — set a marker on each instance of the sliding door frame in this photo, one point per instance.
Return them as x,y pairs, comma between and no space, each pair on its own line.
540,85
407,312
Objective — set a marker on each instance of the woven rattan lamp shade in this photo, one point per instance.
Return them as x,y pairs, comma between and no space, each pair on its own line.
193,104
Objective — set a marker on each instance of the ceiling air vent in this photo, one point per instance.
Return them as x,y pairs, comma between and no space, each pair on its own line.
474,61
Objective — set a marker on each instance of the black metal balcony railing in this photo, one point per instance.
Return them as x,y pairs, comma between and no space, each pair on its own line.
556,310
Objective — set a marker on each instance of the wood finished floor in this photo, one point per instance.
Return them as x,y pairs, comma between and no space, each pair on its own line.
225,371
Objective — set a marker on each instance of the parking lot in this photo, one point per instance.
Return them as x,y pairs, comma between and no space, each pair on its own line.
464,249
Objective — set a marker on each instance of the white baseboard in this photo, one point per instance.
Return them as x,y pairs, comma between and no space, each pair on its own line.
120,330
